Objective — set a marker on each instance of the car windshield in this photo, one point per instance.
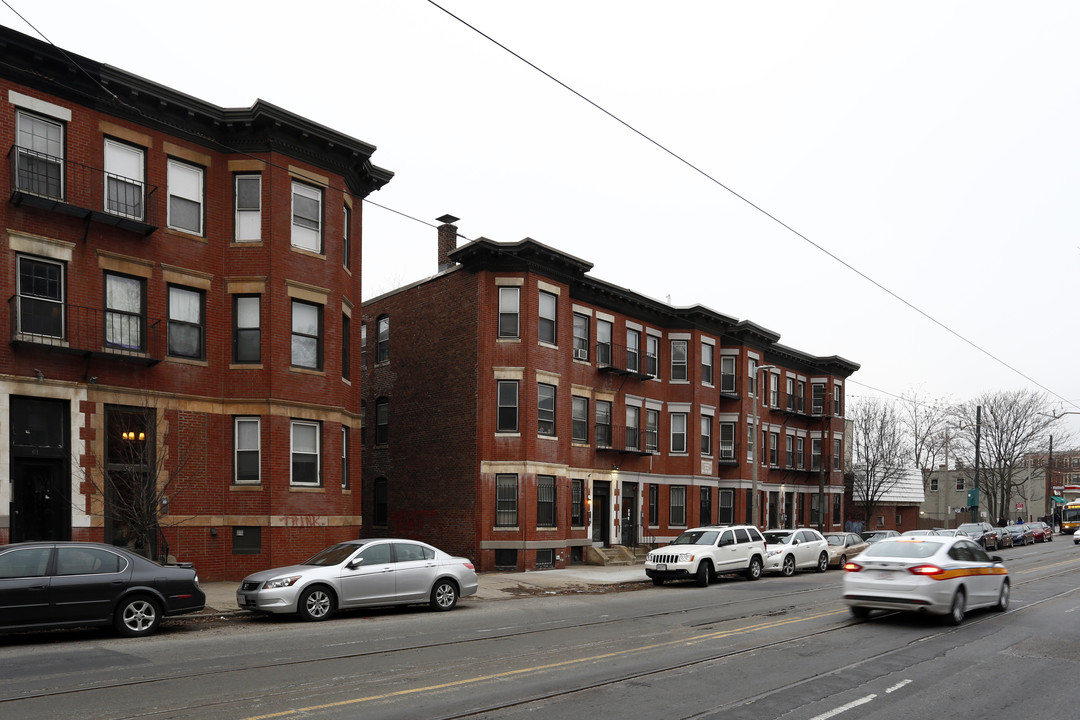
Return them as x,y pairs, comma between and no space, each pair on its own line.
970,528
902,548
835,539
333,555
779,538
697,537
1015,528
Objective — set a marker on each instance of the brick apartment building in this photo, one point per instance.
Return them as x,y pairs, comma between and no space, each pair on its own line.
521,412
181,281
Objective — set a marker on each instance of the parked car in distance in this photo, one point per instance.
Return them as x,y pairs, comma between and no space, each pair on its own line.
844,546
703,553
361,573
1076,538
1021,534
919,532
1038,531
932,574
981,532
1048,532
950,532
798,549
69,584
874,535
1004,539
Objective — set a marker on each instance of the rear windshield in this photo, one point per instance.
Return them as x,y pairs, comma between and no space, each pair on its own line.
902,548
778,538
697,537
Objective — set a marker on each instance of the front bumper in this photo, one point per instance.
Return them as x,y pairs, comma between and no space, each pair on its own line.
282,600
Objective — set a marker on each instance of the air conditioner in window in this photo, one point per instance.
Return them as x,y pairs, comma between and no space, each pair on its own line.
581,354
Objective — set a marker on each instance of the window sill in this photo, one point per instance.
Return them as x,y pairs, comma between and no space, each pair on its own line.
247,243
245,366
506,529
679,382
177,232
544,343
554,438
187,361
307,371
508,340
346,381
309,253
507,435
246,487
579,444
547,529
318,489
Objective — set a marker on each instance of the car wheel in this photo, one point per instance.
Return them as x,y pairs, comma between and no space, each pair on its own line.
788,567
137,616
1003,597
444,596
316,603
860,612
754,571
956,610
704,571
823,562
658,581
843,561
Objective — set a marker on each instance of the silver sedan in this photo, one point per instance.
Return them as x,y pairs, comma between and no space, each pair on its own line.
361,573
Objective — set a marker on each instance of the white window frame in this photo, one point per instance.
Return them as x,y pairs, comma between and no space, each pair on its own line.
678,436
24,295
237,449
706,435
548,318
509,307
301,236
122,154
31,151
680,370
293,427
180,176
247,220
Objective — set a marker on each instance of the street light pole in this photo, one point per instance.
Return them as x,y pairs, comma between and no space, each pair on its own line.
754,513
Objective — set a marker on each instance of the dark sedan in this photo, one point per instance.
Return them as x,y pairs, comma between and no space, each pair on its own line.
1004,538
71,584
1021,534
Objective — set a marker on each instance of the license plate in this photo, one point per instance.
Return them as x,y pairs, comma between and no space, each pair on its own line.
241,600
662,568
885,575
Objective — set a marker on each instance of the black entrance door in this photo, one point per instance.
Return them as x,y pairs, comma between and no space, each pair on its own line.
40,506
40,470
601,510
629,513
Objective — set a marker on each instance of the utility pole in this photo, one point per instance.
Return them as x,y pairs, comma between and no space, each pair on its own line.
1049,482
978,437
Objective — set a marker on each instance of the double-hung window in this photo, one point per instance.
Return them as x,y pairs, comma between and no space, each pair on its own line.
727,374
815,454
800,453
124,179
306,217
185,197
507,415
41,297
774,390
40,155
817,401
603,423
774,449
603,342
382,339
789,451
706,434
837,455
246,450
677,505
633,428
125,301
548,317
506,500
678,360
707,363
346,237
247,330
187,327
581,336
577,503
545,501
654,504
305,453
652,355
545,404
344,458
509,312
307,335
579,430
791,394
248,220
346,346
727,441
633,350
678,432
652,430
382,421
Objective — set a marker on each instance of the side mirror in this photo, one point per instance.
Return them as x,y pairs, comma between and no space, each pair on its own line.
353,564
996,558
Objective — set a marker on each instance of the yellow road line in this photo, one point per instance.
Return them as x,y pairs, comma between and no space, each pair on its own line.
550,666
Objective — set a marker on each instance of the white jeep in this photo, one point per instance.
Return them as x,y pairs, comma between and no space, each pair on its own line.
703,553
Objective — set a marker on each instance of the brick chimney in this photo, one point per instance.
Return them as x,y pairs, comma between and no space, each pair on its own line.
447,241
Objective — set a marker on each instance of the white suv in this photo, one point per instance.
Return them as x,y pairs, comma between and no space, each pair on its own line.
705,552
798,549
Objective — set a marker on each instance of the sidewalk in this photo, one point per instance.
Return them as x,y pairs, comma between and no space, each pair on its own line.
221,596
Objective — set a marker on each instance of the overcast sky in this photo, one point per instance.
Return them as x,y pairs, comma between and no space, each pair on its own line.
932,146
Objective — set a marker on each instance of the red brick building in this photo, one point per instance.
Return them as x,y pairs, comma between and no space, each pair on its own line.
181,280
520,412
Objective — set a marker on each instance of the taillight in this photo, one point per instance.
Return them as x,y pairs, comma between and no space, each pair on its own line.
852,567
469,565
926,570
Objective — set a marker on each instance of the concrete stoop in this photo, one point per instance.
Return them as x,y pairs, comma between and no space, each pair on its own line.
614,555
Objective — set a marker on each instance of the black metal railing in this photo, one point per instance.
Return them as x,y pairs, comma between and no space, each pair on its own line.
618,438
84,331
71,188
624,361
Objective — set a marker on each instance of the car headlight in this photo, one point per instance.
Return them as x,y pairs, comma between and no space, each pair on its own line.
686,557
280,582
774,551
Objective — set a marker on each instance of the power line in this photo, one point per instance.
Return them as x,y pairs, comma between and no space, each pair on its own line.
745,200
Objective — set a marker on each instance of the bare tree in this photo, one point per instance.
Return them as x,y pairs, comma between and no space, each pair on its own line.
924,422
882,457
135,476
1014,423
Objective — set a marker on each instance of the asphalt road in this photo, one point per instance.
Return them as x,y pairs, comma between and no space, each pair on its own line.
776,648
